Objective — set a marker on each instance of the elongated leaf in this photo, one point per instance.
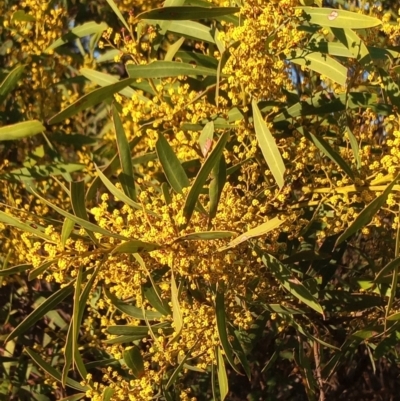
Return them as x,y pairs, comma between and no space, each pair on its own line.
127,181
134,330
388,268
290,283
326,149
197,58
222,329
164,69
202,176
238,351
159,304
14,270
119,194
115,8
132,310
21,130
187,13
222,376
103,79
367,214
107,394
88,28
30,228
217,184
40,269
78,204
85,224
135,246
321,63
353,42
134,360
268,146
206,138
10,82
171,165
66,230
336,18
354,147
53,372
188,29
176,310
39,171
172,379
173,49
262,229
48,305
89,100
206,235
391,88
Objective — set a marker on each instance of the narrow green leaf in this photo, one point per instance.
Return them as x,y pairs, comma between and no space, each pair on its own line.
336,18
171,165
176,310
46,306
132,310
68,355
206,236
327,150
217,184
102,79
290,283
189,57
354,147
40,269
107,394
119,194
77,190
187,13
33,229
135,246
21,130
53,372
165,69
125,157
222,330
85,224
321,63
66,230
388,268
238,351
143,331
152,295
174,376
188,29
395,316
353,43
134,360
391,88
115,8
222,376
75,397
89,100
88,28
14,270
268,146
206,138
367,213
10,82
202,176
173,49
40,171
262,229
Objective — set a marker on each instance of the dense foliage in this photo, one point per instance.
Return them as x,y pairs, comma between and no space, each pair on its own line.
198,201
